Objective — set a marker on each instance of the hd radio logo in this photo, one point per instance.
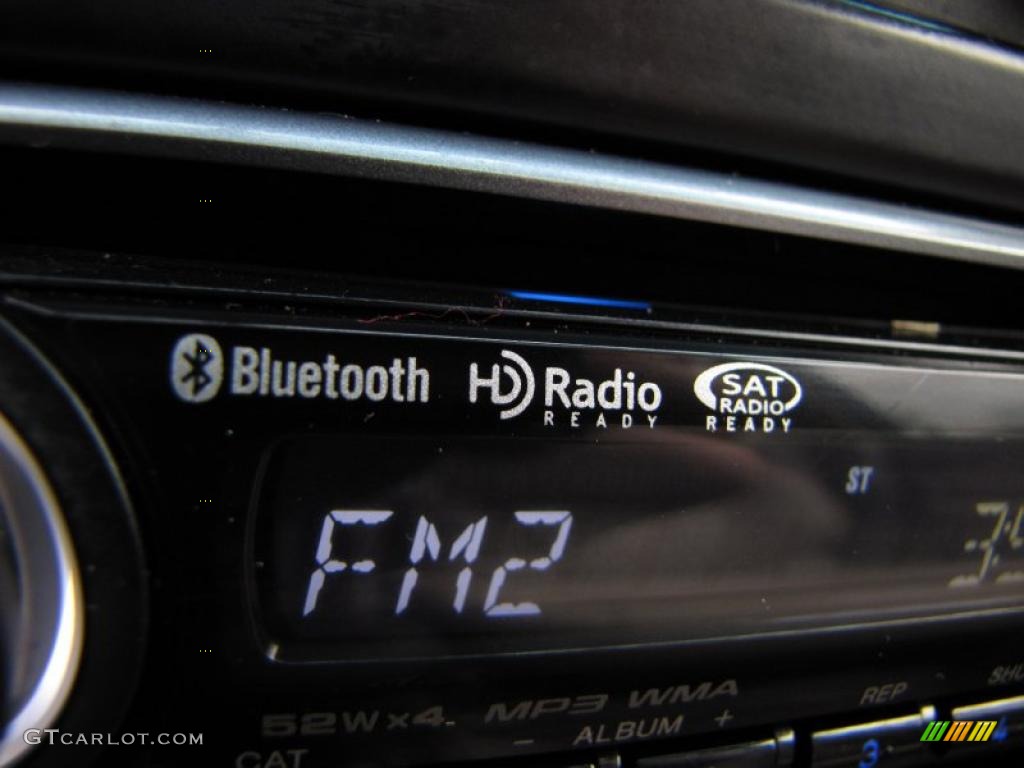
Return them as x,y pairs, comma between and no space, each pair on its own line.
620,399
748,397
510,384
197,368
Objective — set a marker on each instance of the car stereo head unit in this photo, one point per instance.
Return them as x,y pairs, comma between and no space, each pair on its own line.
371,528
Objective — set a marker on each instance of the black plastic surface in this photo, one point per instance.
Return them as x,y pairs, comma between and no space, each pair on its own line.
208,220
759,754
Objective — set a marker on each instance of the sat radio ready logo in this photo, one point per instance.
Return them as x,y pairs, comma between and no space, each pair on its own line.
748,397
197,368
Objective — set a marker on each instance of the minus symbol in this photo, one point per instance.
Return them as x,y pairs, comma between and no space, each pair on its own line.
522,742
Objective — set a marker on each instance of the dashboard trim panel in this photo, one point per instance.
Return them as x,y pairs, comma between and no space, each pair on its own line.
44,116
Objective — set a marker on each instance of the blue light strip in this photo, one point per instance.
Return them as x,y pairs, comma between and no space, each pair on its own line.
591,301
902,16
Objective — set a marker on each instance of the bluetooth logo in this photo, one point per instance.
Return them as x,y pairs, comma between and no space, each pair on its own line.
197,368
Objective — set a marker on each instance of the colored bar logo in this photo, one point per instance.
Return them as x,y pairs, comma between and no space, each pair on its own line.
959,730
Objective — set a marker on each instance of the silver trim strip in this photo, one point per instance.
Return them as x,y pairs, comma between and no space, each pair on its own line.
336,144
989,710
54,683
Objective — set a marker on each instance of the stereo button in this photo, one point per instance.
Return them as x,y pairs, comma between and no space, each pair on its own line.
884,743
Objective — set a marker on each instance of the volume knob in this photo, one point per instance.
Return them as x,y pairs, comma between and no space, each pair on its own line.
73,582
40,598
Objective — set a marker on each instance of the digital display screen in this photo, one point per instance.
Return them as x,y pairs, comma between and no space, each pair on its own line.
435,544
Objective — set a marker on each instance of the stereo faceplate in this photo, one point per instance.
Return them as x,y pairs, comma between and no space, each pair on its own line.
378,531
